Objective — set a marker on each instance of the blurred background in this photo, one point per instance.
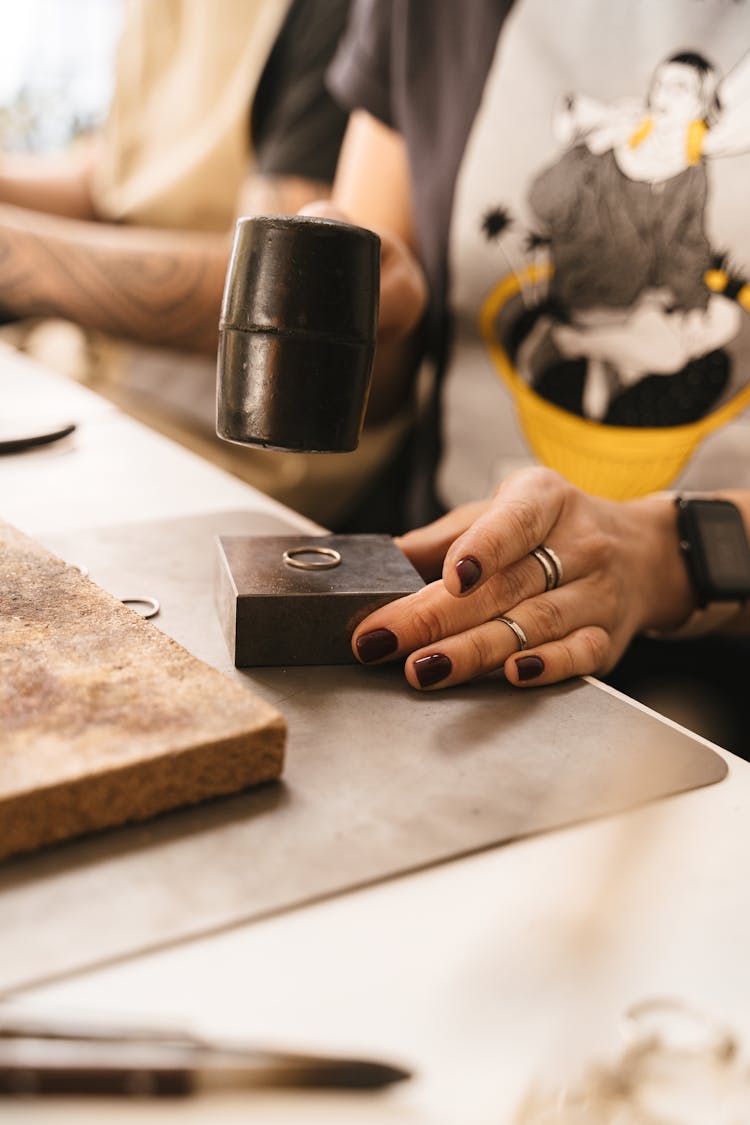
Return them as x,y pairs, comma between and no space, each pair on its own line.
56,60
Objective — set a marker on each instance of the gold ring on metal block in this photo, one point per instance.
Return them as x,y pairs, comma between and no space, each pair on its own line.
328,558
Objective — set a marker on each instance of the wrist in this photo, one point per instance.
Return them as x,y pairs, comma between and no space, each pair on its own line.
669,596
714,547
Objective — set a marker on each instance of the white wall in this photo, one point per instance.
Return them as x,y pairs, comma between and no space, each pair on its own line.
55,69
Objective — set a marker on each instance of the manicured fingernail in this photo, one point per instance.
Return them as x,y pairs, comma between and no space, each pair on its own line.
529,667
376,645
432,669
469,572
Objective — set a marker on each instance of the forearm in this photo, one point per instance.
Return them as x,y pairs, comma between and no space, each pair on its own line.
373,189
158,287
54,185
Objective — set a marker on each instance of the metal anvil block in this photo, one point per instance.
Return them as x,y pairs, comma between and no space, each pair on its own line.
280,604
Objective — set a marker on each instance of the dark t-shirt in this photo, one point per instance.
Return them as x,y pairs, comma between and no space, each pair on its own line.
388,63
296,125
578,190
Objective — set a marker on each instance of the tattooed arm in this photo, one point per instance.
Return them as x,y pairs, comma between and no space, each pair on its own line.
155,286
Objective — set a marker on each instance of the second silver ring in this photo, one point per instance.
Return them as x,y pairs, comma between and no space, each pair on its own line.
550,563
521,637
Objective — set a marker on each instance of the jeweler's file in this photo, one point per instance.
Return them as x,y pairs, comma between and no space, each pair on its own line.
136,1068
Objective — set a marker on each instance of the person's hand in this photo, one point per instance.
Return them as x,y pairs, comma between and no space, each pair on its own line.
403,288
613,570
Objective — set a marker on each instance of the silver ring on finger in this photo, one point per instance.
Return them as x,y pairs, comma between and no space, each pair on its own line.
550,574
550,564
516,629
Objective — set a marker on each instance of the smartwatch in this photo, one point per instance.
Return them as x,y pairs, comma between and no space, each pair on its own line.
714,546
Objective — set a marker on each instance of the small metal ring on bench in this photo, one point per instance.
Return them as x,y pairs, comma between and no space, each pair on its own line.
152,603
328,558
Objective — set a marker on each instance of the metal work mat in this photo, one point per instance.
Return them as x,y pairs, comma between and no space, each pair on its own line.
379,780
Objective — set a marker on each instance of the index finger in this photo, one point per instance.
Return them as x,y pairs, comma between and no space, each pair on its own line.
523,511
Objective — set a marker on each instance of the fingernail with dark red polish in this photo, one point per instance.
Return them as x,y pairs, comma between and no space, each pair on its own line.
376,645
469,572
432,669
529,667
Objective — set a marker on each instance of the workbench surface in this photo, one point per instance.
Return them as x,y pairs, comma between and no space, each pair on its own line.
488,975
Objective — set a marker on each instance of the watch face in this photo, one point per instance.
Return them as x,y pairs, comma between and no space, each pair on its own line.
726,551
717,553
